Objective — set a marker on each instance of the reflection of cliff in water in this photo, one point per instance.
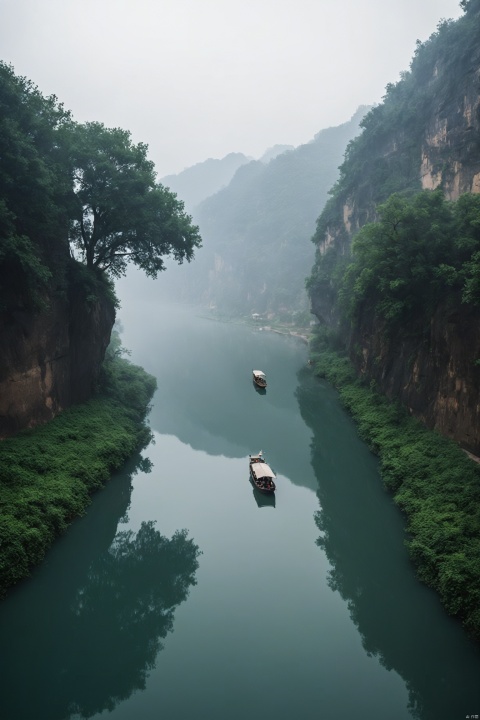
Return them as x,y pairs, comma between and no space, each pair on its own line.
400,620
84,632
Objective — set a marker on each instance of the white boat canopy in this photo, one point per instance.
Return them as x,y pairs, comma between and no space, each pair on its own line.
262,470
258,373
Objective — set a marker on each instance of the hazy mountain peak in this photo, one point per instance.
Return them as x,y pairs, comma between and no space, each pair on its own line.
199,181
274,151
356,119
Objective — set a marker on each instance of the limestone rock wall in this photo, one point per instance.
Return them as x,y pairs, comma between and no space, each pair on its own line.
450,155
50,359
436,377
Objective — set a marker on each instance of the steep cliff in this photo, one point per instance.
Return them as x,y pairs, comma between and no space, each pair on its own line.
424,136
51,356
55,318
69,192
433,372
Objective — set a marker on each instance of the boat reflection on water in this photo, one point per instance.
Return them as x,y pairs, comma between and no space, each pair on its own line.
262,499
260,390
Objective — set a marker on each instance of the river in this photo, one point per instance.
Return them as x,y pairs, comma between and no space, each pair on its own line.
183,595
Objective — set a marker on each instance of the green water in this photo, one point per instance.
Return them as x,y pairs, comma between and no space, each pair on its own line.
308,608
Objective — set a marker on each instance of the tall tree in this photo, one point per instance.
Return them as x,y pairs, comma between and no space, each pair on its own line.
120,213
34,185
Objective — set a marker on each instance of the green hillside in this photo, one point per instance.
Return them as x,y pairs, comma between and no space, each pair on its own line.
256,232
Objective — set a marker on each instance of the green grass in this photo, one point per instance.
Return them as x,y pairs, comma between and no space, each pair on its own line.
48,474
433,482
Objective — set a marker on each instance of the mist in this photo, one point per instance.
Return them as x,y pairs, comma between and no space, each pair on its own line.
200,80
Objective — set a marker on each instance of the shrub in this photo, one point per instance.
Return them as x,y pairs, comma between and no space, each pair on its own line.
49,473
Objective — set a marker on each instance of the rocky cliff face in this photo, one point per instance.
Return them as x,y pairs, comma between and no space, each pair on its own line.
450,155
433,373
51,359
436,377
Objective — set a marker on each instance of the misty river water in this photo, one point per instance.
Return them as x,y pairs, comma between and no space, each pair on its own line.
304,609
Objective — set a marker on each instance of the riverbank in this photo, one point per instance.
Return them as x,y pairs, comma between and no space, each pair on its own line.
49,473
299,333
433,482
292,329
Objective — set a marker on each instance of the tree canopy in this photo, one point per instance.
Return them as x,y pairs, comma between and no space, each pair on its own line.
64,183
420,249
33,188
120,213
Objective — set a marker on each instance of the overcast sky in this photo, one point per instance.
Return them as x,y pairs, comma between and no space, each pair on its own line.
201,78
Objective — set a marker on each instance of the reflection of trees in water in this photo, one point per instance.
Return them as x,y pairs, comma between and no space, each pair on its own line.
400,621
129,598
96,627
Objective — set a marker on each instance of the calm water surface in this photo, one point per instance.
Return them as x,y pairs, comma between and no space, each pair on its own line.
183,595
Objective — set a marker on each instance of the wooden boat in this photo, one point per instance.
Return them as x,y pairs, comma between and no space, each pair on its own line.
261,474
259,378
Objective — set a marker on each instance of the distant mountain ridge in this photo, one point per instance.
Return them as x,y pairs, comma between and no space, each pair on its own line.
199,181
274,152
256,231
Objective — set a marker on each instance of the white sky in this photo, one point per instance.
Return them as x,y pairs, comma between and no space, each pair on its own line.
201,78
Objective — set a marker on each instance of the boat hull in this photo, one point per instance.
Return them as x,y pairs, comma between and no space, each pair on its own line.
261,390
260,383
259,378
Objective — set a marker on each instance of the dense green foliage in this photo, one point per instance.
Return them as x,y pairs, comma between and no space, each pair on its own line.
434,483
121,214
385,159
33,190
62,182
48,473
421,250
389,256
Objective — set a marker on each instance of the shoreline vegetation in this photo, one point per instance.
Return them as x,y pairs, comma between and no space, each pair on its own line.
49,473
433,482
